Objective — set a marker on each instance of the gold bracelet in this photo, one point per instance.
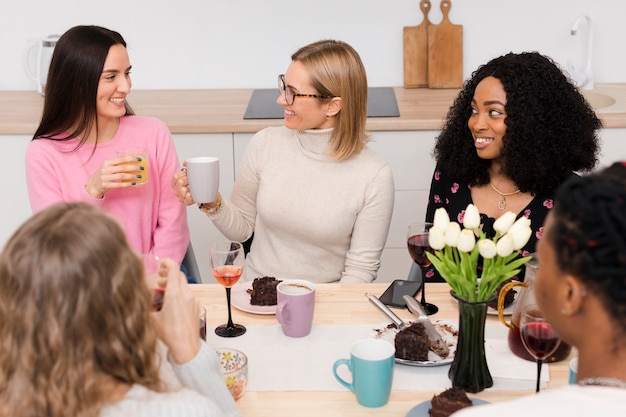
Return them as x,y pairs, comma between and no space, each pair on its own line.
211,210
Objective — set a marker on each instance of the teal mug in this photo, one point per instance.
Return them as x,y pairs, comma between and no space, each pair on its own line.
371,365
573,370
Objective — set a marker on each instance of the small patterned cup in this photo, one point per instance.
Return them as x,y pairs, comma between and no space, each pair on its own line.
234,364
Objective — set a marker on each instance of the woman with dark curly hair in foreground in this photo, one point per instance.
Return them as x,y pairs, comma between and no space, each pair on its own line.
580,288
516,131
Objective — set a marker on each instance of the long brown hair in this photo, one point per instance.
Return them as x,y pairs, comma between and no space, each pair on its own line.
72,84
336,70
74,309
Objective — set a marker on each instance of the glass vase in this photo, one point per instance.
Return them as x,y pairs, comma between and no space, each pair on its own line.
469,369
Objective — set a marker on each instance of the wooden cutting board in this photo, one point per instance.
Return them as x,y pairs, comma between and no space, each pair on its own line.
416,51
445,52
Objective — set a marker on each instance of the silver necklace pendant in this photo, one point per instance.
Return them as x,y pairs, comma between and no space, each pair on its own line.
607,382
502,204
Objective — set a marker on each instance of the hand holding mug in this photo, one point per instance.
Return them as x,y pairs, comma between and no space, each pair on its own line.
198,181
179,184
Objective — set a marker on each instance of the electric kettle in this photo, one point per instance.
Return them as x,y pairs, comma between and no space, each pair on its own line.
37,57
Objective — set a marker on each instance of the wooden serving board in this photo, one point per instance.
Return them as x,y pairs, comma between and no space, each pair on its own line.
415,40
445,52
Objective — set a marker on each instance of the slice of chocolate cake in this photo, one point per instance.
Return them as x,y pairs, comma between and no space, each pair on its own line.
263,291
412,343
448,402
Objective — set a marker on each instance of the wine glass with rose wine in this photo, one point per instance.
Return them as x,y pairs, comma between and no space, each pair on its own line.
227,260
538,336
417,242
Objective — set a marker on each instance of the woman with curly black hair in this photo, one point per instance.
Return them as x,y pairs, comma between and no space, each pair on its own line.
517,130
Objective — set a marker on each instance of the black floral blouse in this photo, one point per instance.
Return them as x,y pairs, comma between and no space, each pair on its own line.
444,192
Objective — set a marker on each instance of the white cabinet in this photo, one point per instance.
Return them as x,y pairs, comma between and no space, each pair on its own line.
240,141
409,156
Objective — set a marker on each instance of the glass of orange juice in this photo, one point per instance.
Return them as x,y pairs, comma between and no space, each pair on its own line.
141,162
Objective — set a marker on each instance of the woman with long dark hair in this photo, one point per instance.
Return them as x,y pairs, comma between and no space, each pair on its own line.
86,120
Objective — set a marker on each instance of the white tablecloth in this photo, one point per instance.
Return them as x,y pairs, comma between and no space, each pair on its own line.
280,363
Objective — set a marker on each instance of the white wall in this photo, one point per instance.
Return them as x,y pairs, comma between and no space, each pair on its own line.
245,43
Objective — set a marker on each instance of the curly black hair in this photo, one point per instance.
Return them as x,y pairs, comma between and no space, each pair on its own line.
551,130
588,234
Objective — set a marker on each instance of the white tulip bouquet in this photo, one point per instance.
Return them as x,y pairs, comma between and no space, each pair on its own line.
456,252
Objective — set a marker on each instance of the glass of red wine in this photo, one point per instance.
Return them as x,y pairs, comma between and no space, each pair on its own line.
227,260
417,242
538,336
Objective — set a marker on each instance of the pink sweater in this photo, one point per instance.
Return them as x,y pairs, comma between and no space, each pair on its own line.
154,220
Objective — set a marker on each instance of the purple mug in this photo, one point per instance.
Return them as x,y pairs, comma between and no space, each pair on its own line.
295,304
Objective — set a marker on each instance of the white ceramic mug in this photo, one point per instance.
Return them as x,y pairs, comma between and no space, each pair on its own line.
203,173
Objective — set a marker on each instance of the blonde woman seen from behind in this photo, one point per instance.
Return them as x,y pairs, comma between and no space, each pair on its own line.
78,333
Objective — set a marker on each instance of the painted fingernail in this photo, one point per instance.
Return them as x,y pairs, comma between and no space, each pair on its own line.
142,168
139,176
133,183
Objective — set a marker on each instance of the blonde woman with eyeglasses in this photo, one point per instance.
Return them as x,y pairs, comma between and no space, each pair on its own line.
317,198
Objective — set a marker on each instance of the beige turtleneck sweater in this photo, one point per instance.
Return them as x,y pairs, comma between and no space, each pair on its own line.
313,218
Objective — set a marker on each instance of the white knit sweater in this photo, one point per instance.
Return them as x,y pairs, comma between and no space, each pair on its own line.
568,400
197,389
313,217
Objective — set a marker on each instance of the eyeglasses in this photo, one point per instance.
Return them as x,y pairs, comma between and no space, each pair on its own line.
290,96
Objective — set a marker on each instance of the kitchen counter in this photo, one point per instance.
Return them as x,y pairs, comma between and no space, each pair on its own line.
222,110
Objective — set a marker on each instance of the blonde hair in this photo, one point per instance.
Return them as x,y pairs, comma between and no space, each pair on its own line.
74,308
336,70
